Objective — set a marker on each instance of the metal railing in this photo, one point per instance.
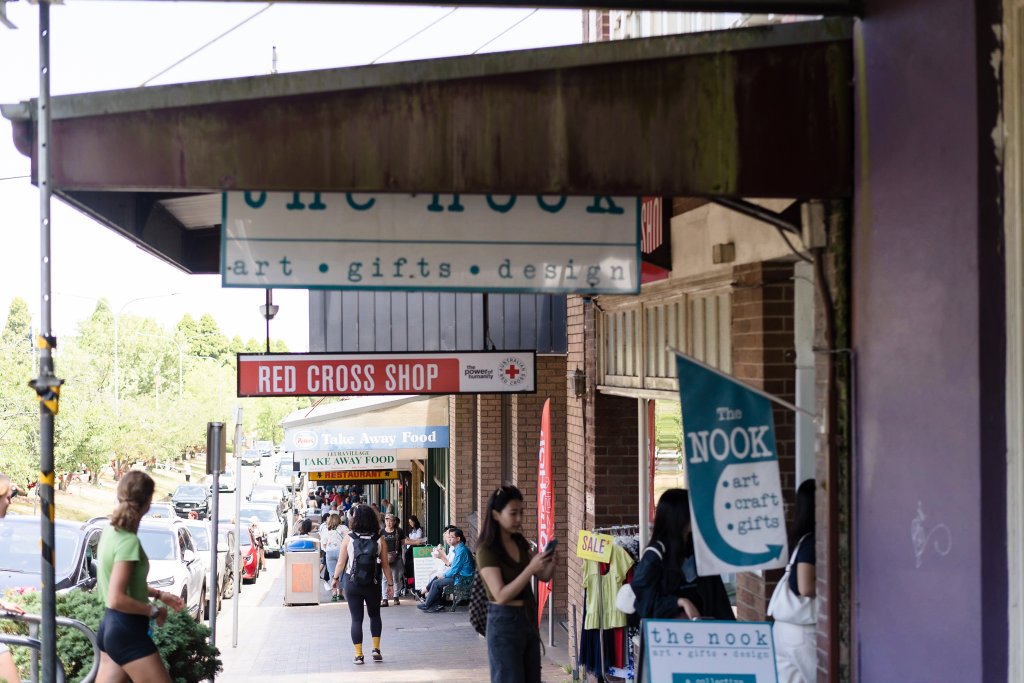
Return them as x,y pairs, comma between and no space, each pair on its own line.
35,644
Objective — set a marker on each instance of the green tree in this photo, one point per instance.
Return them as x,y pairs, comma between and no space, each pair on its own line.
19,409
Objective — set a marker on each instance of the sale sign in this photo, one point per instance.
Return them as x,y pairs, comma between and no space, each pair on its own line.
545,499
385,374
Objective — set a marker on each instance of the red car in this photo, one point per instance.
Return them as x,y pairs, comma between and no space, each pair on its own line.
250,554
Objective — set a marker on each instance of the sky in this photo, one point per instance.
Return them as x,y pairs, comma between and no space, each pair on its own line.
110,45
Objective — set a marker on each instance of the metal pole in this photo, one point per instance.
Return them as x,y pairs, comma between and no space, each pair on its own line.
551,615
238,523
214,548
47,386
644,479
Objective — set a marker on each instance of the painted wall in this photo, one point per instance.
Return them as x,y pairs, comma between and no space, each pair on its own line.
923,611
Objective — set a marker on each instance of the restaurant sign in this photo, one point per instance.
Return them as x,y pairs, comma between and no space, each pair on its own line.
384,374
347,460
355,475
432,242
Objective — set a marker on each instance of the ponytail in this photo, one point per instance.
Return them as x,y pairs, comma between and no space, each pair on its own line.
134,494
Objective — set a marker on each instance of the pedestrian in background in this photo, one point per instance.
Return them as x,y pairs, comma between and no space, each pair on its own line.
506,567
460,568
796,648
363,558
331,540
393,536
126,648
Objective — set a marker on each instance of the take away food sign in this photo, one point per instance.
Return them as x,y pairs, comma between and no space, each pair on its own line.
386,374
432,242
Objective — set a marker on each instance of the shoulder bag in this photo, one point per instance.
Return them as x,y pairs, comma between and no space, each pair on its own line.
788,607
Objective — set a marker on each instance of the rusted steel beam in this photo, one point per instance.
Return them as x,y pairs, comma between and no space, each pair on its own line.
758,113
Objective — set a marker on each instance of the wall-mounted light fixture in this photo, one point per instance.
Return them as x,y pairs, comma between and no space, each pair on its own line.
577,382
268,311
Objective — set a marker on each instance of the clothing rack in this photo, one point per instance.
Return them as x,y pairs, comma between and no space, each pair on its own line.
619,530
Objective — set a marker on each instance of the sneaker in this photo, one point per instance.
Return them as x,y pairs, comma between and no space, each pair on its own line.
435,608
358,659
384,602
422,607
396,602
377,656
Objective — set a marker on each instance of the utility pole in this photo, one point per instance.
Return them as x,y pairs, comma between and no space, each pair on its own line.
46,384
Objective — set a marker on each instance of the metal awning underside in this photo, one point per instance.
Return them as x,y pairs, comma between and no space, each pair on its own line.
758,112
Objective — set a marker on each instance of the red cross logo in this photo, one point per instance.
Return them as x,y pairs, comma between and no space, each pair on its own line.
512,371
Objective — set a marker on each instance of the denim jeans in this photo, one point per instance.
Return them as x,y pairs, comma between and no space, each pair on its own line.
437,586
513,645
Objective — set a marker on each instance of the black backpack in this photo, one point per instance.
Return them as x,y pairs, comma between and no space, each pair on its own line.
364,567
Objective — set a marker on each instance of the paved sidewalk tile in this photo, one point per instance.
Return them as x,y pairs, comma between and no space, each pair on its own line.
312,643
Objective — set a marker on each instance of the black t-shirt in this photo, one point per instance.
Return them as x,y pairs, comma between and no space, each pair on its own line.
805,554
393,538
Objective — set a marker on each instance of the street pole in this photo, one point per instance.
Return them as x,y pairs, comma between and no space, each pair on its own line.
238,523
46,385
215,437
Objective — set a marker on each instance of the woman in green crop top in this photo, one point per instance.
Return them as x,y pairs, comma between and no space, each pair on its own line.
126,649
506,566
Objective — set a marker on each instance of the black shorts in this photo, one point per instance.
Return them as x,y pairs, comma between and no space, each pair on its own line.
125,637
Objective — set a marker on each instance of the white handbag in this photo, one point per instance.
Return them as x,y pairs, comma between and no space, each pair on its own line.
786,606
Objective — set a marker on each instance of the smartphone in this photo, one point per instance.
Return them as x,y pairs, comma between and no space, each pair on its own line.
550,547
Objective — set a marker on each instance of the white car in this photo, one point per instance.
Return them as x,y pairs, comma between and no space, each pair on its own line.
174,563
200,530
270,525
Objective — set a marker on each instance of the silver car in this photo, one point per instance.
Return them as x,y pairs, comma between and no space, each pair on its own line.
200,530
270,525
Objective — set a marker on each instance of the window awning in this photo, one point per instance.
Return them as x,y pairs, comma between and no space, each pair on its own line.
755,112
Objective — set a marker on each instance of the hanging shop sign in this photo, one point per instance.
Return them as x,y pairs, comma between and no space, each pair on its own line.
387,374
347,460
684,651
597,547
733,473
431,242
301,439
355,475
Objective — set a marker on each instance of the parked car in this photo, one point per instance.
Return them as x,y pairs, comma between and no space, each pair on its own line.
251,457
161,511
191,498
271,493
74,553
285,476
272,528
174,564
226,547
251,556
226,482
200,531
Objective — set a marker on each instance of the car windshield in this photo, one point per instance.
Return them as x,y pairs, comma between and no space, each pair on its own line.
285,468
190,492
201,537
266,494
262,514
20,548
245,540
160,511
158,543
222,536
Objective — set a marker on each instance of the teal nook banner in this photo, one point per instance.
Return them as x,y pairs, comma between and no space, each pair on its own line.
733,472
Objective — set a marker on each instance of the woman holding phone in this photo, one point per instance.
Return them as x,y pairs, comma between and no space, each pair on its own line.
506,566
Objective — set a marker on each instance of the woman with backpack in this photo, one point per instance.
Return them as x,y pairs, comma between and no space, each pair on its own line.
665,580
363,558
506,566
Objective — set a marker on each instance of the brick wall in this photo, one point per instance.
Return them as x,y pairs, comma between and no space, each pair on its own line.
462,421
762,347
580,493
488,443
526,415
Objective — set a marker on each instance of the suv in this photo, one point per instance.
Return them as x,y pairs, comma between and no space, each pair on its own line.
270,525
191,498
174,563
251,457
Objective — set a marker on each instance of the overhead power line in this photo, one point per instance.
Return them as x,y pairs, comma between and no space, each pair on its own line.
506,30
422,30
208,44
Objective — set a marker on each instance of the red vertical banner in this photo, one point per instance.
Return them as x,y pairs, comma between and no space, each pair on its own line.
652,453
545,501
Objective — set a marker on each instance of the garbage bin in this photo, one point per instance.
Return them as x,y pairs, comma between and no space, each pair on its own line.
301,570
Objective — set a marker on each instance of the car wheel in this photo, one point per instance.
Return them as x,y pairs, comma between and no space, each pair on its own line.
204,606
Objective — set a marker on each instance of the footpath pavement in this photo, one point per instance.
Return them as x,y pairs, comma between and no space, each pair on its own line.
311,643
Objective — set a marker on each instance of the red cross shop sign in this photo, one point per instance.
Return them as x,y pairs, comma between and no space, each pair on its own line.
386,374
